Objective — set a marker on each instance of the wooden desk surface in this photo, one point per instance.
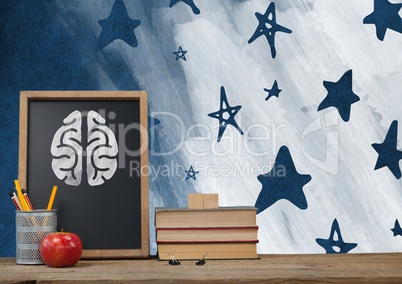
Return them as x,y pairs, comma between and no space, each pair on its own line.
351,268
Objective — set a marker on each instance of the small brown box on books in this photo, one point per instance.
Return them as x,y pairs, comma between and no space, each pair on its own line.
195,201
211,200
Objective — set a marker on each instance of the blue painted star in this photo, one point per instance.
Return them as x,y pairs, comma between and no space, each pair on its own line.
282,182
385,16
388,155
152,121
225,115
191,173
118,26
180,54
274,91
340,95
397,230
188,2
335,241
268,26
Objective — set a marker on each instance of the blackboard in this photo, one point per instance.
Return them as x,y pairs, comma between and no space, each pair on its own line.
94,146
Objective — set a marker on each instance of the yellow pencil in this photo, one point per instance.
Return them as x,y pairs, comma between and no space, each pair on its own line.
21,198
50,204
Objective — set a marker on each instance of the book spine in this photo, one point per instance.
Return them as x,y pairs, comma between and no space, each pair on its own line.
209,242
214,250
206,228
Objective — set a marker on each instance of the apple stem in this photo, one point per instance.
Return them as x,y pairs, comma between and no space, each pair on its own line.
62,230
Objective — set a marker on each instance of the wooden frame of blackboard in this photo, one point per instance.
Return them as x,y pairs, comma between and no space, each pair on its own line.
139,96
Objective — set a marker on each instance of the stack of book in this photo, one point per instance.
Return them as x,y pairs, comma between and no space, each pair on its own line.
221,233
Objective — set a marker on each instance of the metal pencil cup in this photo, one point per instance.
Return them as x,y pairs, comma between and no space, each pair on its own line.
31,228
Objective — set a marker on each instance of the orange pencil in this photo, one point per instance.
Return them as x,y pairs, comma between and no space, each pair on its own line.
50,204
21,198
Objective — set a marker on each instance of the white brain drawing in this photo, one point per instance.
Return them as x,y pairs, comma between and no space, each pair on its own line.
101,150
67,151
99,155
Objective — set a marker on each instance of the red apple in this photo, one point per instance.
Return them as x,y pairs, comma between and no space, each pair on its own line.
61,249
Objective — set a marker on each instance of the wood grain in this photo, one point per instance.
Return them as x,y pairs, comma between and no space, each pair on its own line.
345,268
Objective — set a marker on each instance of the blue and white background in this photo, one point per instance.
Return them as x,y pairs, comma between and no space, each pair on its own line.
302,95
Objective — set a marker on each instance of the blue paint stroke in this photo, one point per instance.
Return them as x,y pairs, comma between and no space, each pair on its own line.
180,54
385,16
282,182
397,230
118,25
268,26
225,115
335,241
340,95
274,91
388,154
191,173
188,2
